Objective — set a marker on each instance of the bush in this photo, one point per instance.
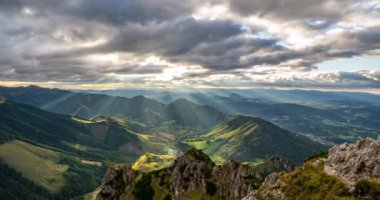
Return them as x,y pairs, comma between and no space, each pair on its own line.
211,188
142,189
321,154
168,197
310,182
367,189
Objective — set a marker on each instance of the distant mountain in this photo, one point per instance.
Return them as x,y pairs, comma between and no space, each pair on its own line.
74,151
191,176
331,122
245,138
187,113
138,108
304,97
86,105
30,123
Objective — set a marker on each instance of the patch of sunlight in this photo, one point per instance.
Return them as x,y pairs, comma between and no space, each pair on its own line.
80,120
35,163
90,162
150,161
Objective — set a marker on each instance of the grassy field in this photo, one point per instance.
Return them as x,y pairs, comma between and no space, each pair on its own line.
201,145
80,120
150,161
35,163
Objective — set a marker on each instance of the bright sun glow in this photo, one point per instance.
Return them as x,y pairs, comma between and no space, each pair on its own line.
210,12
111,58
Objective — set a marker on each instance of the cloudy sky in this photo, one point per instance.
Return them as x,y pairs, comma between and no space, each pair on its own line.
104,44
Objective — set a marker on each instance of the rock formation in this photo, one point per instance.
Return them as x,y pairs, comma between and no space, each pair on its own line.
192,176
353,162
350,171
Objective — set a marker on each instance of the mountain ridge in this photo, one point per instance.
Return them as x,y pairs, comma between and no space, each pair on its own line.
191,171
246,138
138,108
194,176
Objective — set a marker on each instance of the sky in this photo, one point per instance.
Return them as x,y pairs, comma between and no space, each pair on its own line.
113,44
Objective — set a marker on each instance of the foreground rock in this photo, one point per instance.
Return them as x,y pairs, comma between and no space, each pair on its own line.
353,162
192,176
350,171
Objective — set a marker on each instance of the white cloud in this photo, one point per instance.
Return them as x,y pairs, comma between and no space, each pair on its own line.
200,43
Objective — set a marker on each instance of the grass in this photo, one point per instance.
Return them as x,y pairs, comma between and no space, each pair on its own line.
368,188
216,130
150,162
76,146
35,163
143,137
197,144
310,182
90,162
91,195
80,120
217,159
329,122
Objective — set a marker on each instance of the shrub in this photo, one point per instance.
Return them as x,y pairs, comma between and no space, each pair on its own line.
142,189
211,188
367,189
321,154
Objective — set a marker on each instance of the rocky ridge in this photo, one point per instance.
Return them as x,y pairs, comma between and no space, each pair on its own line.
353,168
191,176
349,171
353,162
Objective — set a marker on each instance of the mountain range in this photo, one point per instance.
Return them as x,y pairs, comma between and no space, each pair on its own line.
75,137
330,118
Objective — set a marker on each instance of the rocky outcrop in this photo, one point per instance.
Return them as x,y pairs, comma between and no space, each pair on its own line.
189,172
116,181
191,176
353,168
272,185
353,162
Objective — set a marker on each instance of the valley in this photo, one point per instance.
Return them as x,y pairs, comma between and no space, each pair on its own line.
63,142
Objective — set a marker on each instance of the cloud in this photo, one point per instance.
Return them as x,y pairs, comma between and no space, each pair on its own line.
232,42
291,9
323,80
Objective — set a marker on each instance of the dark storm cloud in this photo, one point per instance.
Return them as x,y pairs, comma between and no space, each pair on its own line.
215,44
171,38
49,40
369,38
121,11
291,9
109,11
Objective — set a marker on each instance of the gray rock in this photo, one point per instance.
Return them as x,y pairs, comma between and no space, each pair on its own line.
352,162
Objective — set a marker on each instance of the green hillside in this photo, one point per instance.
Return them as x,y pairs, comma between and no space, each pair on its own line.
250,139
35,163
138,108
41,173
74,150
187,113
61,155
